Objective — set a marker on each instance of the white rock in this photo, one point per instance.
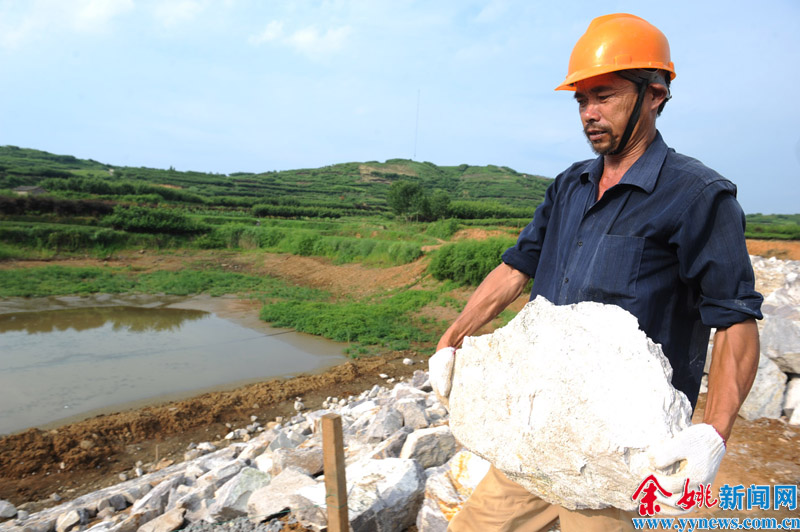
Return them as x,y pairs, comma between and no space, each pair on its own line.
254,449
383,375
430,447
230,501
298,405
780,341
795,419
7,510
279,494
386,422
167,522
766,396
565,400
447,488
363,408
306,459
103,526
792,400
206,447
391,446
382,495
155,502
68,520
408,362
315,419
413,411
421,381
220,474
287,439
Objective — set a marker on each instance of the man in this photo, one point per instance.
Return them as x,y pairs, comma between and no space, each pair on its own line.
642,227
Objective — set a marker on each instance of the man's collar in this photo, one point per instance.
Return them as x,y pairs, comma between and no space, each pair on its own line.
644,172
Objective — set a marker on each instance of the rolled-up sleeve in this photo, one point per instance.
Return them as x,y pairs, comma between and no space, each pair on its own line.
713,257
524,255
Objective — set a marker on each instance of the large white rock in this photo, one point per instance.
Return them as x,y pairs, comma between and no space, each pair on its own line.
167,522
7,510
780,339
430,447
230,501
279,494
565,400
766,396
382,495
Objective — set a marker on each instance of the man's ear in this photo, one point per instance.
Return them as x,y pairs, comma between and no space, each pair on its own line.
658,94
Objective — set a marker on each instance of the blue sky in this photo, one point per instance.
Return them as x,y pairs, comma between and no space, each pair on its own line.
245,85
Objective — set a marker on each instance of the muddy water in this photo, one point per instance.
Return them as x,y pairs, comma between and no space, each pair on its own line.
74,358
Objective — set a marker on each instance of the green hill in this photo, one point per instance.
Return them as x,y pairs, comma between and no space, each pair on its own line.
349,187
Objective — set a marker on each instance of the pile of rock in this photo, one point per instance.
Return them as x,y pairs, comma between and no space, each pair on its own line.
776,390
397,441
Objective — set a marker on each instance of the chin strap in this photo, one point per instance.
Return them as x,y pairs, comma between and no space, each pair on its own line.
642,78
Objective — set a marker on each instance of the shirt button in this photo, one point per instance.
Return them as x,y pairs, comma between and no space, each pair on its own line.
566,279
580,242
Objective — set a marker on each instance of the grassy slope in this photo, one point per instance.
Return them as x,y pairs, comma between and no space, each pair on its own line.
347,184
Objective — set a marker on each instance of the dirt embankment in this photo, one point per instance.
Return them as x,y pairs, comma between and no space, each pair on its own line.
88,455
85,456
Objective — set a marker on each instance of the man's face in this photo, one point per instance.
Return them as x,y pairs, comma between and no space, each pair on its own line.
605,103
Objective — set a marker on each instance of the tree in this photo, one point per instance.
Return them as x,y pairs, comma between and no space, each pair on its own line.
404,196
440,205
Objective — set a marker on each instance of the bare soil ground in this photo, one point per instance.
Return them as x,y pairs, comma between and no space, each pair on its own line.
78,458
775,248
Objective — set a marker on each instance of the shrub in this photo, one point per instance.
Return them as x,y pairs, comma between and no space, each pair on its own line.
442,229
468,262
383,323
147,220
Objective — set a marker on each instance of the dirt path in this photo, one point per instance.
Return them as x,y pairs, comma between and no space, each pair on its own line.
82,457
774,248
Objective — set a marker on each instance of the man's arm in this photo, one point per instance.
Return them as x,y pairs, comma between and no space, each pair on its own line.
734,361
498,290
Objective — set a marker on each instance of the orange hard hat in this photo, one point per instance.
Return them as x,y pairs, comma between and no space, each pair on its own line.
617,42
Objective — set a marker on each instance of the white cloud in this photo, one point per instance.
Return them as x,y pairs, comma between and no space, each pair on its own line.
308,41
272,32
39,20
95,15
312,43
171,13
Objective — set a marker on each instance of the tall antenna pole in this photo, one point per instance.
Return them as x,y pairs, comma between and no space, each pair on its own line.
416,127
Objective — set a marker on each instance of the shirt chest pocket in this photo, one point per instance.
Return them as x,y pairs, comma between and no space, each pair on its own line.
614,268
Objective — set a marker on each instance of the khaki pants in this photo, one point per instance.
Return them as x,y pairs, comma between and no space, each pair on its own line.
501,505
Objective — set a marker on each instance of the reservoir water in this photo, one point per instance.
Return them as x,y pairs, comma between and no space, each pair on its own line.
57,364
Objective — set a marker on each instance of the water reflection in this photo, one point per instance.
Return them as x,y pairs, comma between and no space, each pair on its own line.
133,319
59,363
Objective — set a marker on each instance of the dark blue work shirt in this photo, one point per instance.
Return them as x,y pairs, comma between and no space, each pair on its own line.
666,244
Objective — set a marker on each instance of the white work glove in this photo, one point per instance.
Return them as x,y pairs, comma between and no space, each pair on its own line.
694,453
440,367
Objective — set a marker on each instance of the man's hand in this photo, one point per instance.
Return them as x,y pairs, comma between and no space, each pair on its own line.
440,367
694,453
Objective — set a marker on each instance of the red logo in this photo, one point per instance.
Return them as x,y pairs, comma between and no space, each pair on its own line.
647,505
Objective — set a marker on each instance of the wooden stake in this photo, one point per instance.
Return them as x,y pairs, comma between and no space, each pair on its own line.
335,482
